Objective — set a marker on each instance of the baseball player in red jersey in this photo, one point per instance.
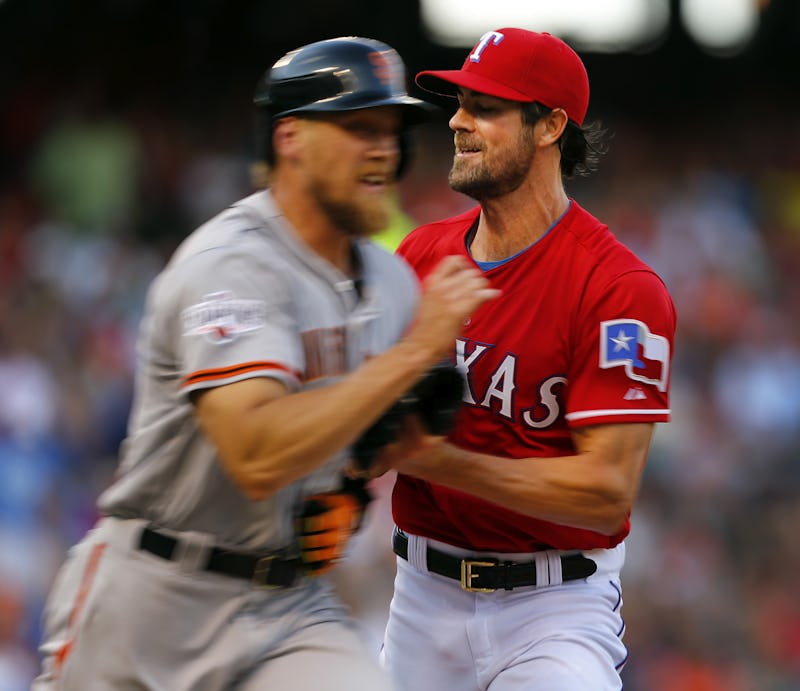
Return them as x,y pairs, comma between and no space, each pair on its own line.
275,336
510,532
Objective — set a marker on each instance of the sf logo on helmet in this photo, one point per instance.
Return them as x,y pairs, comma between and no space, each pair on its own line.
386,67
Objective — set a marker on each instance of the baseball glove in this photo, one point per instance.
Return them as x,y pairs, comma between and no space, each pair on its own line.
435,398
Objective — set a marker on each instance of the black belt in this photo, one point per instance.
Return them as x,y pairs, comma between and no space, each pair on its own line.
263,571
485,575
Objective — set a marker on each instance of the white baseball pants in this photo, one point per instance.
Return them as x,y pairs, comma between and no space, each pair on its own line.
566,637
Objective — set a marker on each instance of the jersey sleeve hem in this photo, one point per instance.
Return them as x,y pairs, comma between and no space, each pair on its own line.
595,417
209,378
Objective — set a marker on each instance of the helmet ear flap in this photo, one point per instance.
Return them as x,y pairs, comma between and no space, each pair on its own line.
262,133
406,146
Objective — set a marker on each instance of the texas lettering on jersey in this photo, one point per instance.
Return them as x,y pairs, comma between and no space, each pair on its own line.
498,393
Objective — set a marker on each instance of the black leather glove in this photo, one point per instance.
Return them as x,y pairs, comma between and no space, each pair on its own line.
435,398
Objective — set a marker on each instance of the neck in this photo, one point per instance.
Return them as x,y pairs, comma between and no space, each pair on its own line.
510,223
313,226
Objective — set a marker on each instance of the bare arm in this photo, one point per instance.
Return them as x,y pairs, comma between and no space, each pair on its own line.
268,438
594,489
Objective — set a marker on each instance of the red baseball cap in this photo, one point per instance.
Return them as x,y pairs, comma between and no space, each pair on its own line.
519,65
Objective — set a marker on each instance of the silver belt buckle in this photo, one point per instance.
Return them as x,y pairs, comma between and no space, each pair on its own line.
261,573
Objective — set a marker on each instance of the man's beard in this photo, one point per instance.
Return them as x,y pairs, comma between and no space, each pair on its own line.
483,180
353,218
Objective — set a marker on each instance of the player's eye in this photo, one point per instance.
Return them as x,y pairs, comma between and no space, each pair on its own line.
369,132
482,107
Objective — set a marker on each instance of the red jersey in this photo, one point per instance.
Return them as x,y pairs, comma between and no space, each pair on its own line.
582,334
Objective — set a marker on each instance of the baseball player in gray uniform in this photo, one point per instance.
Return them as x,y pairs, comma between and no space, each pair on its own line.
276,335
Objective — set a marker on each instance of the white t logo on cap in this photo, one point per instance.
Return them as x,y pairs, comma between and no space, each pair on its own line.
493,36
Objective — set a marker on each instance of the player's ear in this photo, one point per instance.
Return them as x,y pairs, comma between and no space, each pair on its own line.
551,126
286,137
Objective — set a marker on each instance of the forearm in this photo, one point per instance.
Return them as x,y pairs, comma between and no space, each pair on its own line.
561,490
593,489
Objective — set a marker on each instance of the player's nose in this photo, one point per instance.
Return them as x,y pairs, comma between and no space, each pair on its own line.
461,120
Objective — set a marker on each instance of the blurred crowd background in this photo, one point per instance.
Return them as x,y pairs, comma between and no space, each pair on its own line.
126,123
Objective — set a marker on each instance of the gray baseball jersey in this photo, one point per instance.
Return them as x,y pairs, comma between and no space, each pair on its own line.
244,297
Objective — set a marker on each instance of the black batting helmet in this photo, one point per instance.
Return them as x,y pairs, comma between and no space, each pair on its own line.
337,74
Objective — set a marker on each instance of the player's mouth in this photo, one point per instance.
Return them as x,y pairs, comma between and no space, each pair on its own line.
375,182
465,150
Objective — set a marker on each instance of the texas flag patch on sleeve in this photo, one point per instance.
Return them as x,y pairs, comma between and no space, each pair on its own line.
629,343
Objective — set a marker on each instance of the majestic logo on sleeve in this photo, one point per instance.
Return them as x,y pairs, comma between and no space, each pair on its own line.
221,317
629,343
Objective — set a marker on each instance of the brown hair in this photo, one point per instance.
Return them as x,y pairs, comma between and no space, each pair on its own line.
581,146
